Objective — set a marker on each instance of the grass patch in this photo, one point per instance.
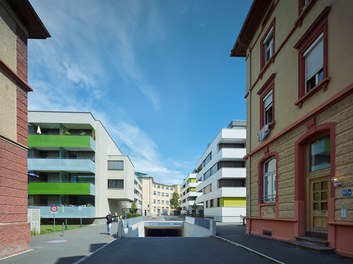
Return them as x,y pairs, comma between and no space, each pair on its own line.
45,229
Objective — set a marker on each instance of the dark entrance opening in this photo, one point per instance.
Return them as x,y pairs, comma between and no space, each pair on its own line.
163,232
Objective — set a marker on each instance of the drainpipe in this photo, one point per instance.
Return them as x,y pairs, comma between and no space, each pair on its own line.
248,228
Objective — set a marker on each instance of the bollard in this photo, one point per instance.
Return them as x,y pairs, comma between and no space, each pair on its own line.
62,229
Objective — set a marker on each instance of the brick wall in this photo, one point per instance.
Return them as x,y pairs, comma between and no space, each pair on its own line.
22,117
14,229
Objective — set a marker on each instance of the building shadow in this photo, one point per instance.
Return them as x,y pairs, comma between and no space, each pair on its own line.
69,260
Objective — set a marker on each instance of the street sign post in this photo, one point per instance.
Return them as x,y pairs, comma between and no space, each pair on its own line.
54,210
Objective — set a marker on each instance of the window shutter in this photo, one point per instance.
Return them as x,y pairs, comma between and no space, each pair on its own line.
314,58
268,100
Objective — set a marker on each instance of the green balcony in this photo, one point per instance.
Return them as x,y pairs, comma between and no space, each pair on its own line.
61,141
61,188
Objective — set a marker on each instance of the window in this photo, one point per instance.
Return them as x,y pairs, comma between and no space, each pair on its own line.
267,102
303,4
269,181
267,105
115,184
231,145
312,62
231,183
115,165
267,48
320,154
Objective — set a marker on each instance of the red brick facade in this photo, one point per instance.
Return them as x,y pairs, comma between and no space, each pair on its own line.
14,229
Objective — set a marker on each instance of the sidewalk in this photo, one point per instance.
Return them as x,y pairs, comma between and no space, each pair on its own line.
275,250
54,248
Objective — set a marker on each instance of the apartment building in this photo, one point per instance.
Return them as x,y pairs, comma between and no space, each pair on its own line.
189,195
18,23
299,95
156,196
77,167
221,175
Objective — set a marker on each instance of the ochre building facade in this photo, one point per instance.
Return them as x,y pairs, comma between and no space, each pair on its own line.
299,98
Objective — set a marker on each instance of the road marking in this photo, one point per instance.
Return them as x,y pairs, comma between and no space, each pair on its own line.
249,249
91,253
20,253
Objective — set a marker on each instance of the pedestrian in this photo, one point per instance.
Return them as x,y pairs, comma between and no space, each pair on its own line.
109,218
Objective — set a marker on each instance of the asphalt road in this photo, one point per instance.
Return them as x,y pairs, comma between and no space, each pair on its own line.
172,250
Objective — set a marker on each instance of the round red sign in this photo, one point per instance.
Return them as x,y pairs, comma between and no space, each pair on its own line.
54,208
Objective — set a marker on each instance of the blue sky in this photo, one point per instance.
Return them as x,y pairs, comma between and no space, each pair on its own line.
156,73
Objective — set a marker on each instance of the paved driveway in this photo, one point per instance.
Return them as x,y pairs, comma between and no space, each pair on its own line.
172,250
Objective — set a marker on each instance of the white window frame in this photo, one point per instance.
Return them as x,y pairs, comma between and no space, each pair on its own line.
269,184
268,107
317,74
268,46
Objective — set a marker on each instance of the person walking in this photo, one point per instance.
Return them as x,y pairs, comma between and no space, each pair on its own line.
109,218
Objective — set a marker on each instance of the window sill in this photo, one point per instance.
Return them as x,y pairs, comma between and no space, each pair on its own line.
322,85
267,204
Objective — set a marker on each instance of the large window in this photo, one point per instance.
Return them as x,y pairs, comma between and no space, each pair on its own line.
269,181
115,184
115,165
231,183
312,52
320,154
314,64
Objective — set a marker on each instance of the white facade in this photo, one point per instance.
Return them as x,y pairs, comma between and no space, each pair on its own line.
156,196
189,194
221,175
110,173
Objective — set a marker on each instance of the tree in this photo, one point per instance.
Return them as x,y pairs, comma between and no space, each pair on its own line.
133,208
174,201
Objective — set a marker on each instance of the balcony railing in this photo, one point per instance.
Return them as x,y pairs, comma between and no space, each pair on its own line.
67,211
68,165
61,141
61,188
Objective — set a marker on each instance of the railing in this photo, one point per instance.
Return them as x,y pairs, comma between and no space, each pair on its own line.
60,188
67,211
77,165
61,141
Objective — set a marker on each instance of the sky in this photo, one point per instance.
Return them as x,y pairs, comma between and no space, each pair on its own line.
157,74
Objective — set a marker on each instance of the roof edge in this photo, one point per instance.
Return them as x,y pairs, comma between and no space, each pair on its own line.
252,21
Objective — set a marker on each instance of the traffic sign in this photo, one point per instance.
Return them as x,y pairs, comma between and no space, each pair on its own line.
53,208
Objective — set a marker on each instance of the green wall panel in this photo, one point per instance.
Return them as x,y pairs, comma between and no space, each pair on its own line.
59,141
59,188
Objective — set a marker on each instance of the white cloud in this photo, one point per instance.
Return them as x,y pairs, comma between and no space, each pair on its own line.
144,153
90,41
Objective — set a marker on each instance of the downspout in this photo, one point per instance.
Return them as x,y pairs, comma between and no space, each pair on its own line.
248,228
